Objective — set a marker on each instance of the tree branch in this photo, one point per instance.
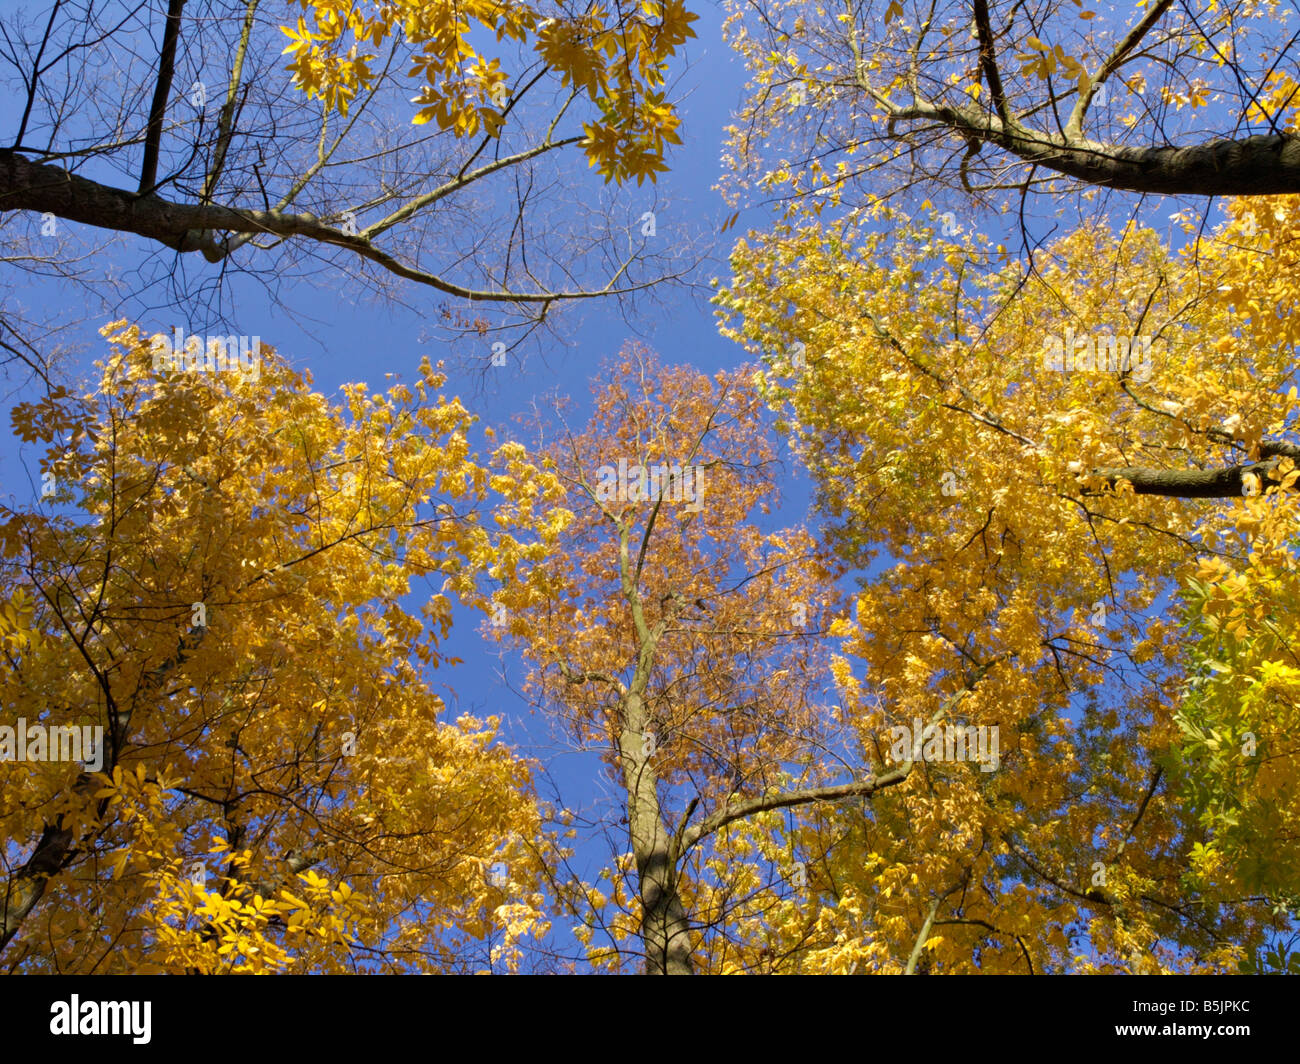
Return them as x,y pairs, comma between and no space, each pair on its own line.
1189,483
863,788
988,61
57,845
575,676
25,185
1074,127
732,812
226,120
919,945
161,90
1247,166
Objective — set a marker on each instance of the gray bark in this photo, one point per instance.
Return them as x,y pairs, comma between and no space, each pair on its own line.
1251,166
1189,483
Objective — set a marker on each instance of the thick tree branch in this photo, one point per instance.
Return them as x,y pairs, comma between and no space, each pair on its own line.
57,845
1093,896
1189,483
25,887
576,676
25,185
1141,812
1246,166
734,811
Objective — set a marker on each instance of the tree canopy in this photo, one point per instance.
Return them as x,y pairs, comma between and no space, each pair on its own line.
938,616
989,99
216,582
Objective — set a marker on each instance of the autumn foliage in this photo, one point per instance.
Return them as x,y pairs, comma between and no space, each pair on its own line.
615,55
951,628
1031,531
219,584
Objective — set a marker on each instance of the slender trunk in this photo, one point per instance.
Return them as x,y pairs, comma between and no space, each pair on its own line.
664,927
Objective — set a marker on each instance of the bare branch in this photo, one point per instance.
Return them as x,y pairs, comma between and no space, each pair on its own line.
162,89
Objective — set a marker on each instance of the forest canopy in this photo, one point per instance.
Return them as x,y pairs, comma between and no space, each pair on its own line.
891,570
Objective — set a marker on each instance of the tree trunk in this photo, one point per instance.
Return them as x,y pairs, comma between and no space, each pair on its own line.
664,927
